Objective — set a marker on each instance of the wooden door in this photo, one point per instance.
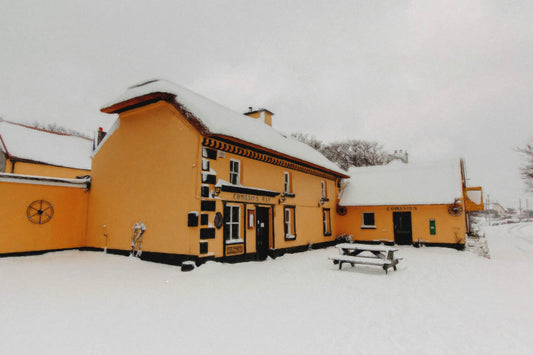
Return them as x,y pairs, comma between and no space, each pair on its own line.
262,232
403,233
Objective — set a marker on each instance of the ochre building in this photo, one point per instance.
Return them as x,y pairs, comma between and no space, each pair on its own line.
205,182
409,204
180,177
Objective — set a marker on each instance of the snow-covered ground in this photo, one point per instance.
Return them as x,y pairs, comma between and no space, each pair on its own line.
440,301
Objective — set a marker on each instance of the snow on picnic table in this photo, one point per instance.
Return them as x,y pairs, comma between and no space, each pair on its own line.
440,301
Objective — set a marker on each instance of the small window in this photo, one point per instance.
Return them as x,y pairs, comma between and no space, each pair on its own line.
235,172
368,220
232,226
286,182
289,223
326,221
205,165
323,185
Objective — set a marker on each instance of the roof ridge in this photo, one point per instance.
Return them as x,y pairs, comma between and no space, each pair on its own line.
45,130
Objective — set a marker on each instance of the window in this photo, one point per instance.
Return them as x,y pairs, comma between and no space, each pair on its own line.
326,221
323,185
289,223
232,227
235,172
368,220
287,182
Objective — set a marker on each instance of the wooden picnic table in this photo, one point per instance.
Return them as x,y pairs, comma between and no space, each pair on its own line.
376,255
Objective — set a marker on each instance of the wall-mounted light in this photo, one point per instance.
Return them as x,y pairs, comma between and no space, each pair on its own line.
282,198
218,190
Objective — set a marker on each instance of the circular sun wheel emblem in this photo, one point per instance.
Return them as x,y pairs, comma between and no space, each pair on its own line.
455,209
40,211
341,210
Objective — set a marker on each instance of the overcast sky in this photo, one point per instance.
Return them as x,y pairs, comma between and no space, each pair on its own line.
439,79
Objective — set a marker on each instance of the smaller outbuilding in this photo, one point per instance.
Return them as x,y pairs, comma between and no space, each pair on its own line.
28,150
408,204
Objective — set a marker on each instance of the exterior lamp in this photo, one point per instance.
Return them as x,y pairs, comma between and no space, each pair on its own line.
282,198
218,189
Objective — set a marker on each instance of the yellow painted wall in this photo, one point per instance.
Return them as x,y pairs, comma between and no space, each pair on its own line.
147,171
449,229
307,190
44,170
66,229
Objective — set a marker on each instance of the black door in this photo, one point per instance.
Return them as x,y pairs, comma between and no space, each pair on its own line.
403,233
262,232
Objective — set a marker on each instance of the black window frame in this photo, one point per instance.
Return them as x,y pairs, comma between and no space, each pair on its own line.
364,225
326,221
291,225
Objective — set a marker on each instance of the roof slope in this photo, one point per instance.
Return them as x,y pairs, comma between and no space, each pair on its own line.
403,184
21,142
218,120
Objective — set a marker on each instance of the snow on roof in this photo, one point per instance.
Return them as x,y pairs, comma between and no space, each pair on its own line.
27,143
403,184
220,120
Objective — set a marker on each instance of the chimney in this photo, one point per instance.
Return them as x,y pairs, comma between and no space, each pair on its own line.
98,137
261,114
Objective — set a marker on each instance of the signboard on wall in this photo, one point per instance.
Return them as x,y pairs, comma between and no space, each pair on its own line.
234,249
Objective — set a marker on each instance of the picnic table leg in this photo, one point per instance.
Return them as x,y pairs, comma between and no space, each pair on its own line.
385,267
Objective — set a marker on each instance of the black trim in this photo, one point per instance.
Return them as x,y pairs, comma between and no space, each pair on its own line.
205,168
209,153
209,178
208,205
34,252
289,194
274,253
192,219
204,219
248,190
207,233
204,247
204,192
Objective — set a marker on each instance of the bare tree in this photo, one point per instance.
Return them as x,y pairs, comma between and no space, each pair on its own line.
54,127
527,168
355,153
311,141
347,153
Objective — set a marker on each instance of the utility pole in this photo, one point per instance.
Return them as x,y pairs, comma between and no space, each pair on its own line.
519,210
488,205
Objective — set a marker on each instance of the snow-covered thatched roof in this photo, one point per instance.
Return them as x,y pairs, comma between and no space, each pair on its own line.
213,119
403,184
24,143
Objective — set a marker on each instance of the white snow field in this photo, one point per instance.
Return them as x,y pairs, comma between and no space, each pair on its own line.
440,301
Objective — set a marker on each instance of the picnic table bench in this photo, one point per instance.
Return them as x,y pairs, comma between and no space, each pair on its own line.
376,255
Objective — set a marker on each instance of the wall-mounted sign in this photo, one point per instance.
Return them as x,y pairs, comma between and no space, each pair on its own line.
402,208
234,249
251,219
251,198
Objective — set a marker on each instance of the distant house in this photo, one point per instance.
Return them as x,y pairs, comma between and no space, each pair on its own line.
499,209
407,203
28,150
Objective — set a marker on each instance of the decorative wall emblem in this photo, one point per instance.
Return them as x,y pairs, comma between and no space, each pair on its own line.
341,210
40,211
455,209
219,220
